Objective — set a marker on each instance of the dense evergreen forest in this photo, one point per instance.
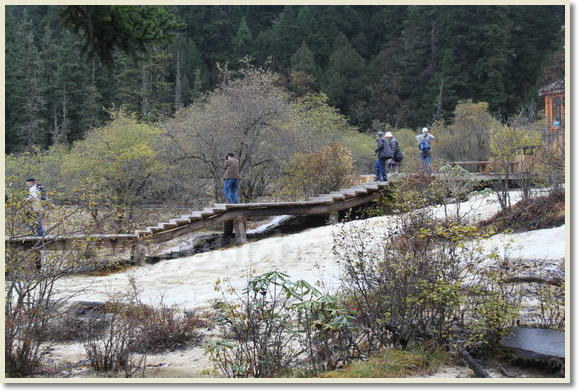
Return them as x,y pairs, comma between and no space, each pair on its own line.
407,66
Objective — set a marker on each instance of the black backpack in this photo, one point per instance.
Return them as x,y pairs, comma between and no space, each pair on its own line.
42,193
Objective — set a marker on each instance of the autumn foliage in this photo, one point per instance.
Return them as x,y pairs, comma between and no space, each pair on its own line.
309,174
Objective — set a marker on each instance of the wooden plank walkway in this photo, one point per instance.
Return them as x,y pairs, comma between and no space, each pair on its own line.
232,215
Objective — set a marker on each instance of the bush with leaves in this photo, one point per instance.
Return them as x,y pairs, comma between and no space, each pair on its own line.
419,278
552,305
506,144
32,301
331,168
133,330
118,161
452,186
276,327
114,349
536,213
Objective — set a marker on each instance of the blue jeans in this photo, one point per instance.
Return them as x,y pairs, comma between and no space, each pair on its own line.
36,228
425,160
379,168
231,188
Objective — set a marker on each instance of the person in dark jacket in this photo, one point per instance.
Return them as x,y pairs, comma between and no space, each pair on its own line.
232,178
383,152
393,163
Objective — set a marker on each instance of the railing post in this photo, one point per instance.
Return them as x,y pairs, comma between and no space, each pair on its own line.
240,224
138,252
334,218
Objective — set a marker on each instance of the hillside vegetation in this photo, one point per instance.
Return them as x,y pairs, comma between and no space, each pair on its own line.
407,66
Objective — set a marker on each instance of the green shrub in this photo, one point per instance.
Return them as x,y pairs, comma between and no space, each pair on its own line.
394,363
309,174
534,213
277,327
421,278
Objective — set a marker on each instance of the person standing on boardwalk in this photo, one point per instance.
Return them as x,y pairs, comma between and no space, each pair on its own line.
383,152
397,156
35,199
424,145
232,178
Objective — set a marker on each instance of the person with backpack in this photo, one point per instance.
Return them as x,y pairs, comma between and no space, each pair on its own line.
383,152
424,145
36,194
393,163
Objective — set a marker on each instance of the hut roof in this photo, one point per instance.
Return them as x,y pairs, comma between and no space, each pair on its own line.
556,87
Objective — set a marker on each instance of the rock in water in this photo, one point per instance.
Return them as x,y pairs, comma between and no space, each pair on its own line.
536,344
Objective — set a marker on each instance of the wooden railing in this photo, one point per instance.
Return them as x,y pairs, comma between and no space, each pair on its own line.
232,215
487,167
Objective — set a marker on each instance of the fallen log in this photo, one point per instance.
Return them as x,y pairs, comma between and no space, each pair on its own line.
474,365
550,281
506,373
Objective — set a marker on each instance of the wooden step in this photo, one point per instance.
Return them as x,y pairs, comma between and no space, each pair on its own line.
215,211
201,214
159,227
370,186
347,193
170,224
179,222
190,218
321,199
359,190
334,196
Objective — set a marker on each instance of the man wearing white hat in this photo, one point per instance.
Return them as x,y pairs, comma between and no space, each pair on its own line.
393,163
424,144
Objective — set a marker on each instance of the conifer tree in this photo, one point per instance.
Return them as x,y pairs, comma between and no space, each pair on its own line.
243,41
303,60
31,124
345,77
178,84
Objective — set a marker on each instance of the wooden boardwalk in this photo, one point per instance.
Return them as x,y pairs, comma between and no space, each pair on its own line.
233,216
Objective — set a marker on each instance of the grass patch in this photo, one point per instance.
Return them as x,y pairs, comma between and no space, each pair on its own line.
535,213
394,363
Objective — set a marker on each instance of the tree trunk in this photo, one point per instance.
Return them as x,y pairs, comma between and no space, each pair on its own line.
178,85
474,365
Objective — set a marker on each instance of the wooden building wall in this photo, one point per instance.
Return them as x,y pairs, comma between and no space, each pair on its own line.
555,116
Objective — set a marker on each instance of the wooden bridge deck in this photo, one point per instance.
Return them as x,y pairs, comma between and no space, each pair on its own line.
232,215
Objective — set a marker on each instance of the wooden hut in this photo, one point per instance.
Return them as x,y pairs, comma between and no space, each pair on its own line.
554,94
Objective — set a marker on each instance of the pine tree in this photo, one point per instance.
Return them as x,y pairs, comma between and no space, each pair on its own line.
156,92
243,41
131,29
285,37
31,127
197,85
92,104
126,84
345,77
303,75
303,60
178,85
